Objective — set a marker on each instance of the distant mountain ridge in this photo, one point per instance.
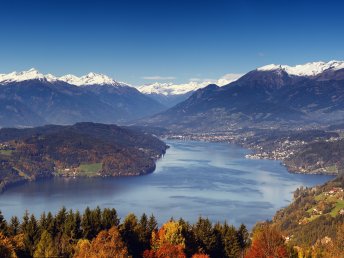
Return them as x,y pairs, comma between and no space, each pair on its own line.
170,94
268,97
30,98
33,74
308,69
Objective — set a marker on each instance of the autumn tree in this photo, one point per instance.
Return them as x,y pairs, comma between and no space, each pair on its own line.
170,232
82,249
167,242
166,250
6,247
18,244
107,244
267,242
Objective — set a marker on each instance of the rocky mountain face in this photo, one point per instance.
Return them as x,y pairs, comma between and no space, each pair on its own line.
268,97
30,99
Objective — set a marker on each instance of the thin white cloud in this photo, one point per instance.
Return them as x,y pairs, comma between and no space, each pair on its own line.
159,78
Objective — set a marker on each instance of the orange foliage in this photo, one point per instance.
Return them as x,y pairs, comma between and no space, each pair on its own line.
6,247
267,243
107,244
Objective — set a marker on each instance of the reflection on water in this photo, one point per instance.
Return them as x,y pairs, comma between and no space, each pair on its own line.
193,179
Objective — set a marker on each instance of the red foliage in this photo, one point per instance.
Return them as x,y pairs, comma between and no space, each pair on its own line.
267,243
166,250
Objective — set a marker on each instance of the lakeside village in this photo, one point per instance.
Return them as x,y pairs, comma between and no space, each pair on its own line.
263,146
282,148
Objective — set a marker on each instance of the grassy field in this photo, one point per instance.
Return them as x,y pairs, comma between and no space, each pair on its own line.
332,169
337,208
90,169
6,152
313,217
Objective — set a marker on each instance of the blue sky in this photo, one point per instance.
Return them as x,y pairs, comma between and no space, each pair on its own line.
133,40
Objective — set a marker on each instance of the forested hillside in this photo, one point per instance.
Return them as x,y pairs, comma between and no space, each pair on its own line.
84,149
314,221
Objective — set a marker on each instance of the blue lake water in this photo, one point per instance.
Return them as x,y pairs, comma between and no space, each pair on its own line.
214,180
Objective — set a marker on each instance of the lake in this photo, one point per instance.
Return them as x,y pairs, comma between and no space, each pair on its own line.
213,180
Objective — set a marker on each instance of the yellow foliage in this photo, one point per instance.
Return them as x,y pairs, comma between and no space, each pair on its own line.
107,244
82,249
169,233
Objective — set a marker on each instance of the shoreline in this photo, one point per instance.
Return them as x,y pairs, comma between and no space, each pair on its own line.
6,185
290,169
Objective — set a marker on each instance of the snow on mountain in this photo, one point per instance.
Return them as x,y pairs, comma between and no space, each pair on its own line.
90,79
308,69
33,74
178,89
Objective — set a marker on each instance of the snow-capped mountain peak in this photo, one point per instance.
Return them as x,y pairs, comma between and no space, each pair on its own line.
90,79
308,69
31,74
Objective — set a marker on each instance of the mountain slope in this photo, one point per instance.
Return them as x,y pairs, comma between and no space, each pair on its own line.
263,98
314,215
30,99
126,103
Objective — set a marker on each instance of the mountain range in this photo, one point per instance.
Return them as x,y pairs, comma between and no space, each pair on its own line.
268,97
30,98
271,96
170,94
